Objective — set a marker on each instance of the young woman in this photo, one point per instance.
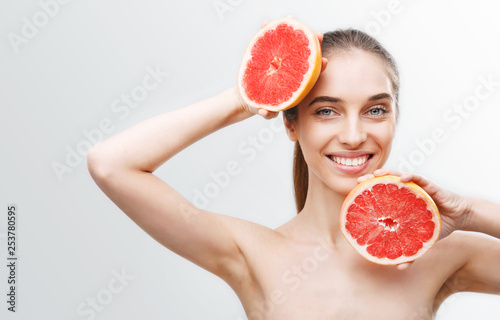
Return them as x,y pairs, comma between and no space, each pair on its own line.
305,269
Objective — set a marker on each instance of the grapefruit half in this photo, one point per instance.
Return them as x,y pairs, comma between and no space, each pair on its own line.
390,222
280,66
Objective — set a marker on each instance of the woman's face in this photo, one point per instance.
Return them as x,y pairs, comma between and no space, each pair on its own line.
346,124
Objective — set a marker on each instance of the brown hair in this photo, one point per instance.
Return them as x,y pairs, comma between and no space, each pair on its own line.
333,42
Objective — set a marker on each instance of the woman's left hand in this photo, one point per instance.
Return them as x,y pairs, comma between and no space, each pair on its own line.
454,209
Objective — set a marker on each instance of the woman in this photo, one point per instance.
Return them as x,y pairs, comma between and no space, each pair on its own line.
305,269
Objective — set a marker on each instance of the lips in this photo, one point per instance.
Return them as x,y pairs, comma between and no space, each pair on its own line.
351,162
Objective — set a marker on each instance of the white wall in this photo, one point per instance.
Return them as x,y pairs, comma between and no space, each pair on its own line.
62,79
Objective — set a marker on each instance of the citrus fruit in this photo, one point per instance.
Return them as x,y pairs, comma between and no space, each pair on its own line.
388,221
280,66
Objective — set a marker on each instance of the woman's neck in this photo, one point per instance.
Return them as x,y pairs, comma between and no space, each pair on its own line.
320,216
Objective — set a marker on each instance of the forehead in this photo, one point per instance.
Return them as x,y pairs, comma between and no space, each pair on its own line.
353,76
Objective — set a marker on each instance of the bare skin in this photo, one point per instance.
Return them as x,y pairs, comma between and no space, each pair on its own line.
304,269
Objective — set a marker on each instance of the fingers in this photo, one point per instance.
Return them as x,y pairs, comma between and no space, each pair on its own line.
418,179
267,114
430,187
382,172
365,177
324,63
404,176
404,266
385,171
320,36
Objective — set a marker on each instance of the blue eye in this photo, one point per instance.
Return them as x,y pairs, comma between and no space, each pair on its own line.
377,111
324,112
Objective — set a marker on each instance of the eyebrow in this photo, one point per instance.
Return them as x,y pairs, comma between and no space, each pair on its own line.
377,96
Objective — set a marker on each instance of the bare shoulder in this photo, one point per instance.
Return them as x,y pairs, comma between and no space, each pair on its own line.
256,244
256,240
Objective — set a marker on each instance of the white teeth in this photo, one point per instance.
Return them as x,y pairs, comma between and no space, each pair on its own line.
351,161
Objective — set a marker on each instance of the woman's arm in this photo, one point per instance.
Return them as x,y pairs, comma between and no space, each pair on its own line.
481,273
122,167
483,216
147,145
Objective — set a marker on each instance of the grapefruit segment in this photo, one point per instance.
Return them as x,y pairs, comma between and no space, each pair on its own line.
280,66
388,221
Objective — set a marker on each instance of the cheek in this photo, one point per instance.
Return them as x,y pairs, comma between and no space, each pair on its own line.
315,136
309,140
314,139
383,134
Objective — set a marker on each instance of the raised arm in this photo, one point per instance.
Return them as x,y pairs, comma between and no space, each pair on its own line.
481,271
123,166
484,216
147,145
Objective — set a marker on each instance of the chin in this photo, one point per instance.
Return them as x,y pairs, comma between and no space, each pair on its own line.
342,182
343,185
341,179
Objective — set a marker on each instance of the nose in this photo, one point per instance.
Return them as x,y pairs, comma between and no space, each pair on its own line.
352,133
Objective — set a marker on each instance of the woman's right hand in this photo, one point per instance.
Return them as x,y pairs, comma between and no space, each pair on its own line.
267,114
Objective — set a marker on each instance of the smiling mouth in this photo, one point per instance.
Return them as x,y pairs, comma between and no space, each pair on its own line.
351,162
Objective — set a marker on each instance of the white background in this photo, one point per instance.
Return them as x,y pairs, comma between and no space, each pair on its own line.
63,80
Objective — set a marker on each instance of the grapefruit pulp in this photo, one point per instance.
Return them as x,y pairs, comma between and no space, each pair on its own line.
280,65
388,221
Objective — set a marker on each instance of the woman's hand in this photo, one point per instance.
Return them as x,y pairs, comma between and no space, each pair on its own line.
267,114
454,209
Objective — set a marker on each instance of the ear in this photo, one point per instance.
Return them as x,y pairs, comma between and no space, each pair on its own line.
291,129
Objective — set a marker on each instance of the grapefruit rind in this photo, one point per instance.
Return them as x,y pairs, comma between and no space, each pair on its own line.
309,79
417,191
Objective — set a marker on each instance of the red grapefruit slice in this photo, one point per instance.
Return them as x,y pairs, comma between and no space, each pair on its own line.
388,221
280,66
